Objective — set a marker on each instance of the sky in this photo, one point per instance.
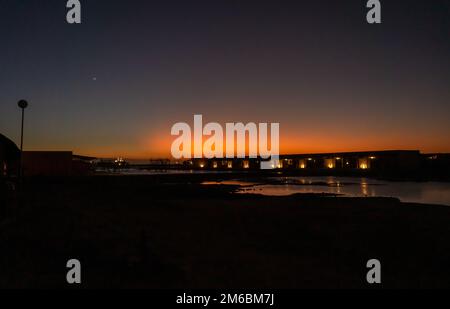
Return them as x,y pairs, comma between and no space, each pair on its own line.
116,83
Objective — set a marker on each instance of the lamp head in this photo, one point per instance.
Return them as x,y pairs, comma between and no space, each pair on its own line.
22,104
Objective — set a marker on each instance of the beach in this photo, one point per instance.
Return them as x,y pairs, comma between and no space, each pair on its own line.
170,231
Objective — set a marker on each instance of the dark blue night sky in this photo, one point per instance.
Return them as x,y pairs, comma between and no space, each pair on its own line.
115,84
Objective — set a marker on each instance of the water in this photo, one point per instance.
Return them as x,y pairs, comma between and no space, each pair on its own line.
415,192
134,171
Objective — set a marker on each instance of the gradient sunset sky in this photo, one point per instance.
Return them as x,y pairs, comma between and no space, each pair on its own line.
114,85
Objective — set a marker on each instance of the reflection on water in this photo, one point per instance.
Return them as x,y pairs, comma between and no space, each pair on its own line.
230,183
416,192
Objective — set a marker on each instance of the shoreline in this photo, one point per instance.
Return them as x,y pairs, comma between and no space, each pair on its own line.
345,187
394,177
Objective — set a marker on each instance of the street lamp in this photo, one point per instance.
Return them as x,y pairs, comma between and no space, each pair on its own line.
22,104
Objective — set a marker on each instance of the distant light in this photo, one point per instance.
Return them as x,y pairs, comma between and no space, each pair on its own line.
372,158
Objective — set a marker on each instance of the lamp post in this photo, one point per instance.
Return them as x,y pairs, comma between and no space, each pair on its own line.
22,104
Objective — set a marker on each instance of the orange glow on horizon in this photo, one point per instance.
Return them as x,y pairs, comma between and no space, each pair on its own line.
158,145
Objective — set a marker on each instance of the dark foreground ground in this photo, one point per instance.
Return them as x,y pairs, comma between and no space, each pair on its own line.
169,231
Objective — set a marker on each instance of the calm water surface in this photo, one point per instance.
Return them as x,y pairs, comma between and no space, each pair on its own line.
416,192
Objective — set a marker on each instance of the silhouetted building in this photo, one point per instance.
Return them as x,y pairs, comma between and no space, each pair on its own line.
363,160
9,157
55,163
368,160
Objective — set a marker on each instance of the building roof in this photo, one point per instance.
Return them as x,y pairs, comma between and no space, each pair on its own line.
8,149
353,153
